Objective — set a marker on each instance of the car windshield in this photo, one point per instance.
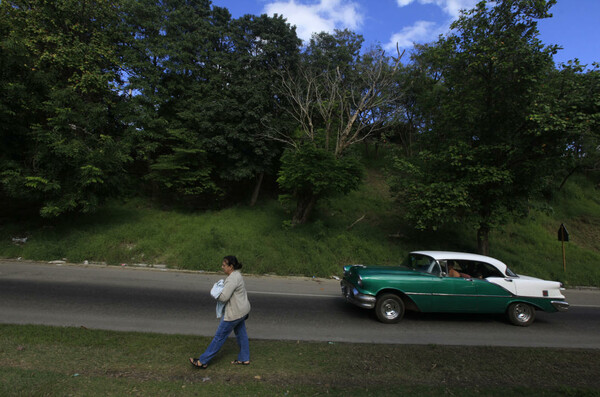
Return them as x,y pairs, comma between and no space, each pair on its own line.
422,263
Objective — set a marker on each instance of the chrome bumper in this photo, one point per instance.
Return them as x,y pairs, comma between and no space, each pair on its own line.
353,296
561,306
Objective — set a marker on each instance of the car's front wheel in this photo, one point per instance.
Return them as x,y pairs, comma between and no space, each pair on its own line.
389,308
521,314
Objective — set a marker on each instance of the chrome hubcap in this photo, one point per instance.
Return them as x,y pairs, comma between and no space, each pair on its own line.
523,313
390,309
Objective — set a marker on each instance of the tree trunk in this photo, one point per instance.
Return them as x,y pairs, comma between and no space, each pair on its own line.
257,189
567,177
304,209
483,241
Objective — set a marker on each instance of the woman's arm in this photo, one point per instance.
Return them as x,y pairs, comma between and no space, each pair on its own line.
231,284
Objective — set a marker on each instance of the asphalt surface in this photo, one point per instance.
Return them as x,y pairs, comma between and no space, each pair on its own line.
283,308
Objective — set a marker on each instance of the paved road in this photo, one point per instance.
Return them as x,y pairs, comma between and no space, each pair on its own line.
285,308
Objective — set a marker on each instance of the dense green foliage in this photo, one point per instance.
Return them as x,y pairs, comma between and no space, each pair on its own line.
176,101
165,97
60,111
203,86
570,107
311,173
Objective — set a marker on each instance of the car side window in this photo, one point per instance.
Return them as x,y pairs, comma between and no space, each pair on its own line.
462,266
421,263
486,270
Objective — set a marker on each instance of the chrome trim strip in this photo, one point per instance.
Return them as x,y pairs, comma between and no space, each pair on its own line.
561,306
469,295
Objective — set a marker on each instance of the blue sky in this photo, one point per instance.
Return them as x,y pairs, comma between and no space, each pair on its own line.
575,25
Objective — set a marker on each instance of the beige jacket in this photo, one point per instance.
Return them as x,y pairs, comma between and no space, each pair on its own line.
235,296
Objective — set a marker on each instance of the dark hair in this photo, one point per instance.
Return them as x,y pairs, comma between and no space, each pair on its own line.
232,261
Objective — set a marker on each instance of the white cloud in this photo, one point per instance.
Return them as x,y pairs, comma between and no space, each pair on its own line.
420,32
453,7
450,7
426,31
314,17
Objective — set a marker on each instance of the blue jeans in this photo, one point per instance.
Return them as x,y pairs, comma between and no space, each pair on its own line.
225,327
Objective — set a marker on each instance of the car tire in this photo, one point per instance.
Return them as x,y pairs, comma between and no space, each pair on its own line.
389,308
521,314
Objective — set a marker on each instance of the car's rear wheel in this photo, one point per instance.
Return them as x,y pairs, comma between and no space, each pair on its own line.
389,308
521,314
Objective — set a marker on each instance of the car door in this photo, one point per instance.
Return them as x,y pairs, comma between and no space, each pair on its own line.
493,288
454,294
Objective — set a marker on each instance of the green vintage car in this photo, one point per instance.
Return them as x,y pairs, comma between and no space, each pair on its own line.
451,282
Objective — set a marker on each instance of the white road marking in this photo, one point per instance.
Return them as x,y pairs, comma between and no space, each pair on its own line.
295,294
594,306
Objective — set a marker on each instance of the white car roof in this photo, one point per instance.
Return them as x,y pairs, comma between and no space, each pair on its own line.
445,255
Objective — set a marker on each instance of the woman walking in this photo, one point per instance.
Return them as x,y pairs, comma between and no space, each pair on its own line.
237,307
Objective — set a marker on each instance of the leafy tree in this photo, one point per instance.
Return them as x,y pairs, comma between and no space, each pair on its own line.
60,110
571,107
483,156
311,173
410,115
173,55
202,86
241,151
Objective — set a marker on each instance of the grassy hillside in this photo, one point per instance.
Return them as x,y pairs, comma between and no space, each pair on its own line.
533,243
361,228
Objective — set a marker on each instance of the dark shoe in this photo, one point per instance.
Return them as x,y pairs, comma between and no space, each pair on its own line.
196,363
238,362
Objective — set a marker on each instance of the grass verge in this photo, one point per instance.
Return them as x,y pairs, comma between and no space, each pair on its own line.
362,227
55,361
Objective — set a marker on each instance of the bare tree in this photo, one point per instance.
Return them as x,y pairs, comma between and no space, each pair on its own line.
335,109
